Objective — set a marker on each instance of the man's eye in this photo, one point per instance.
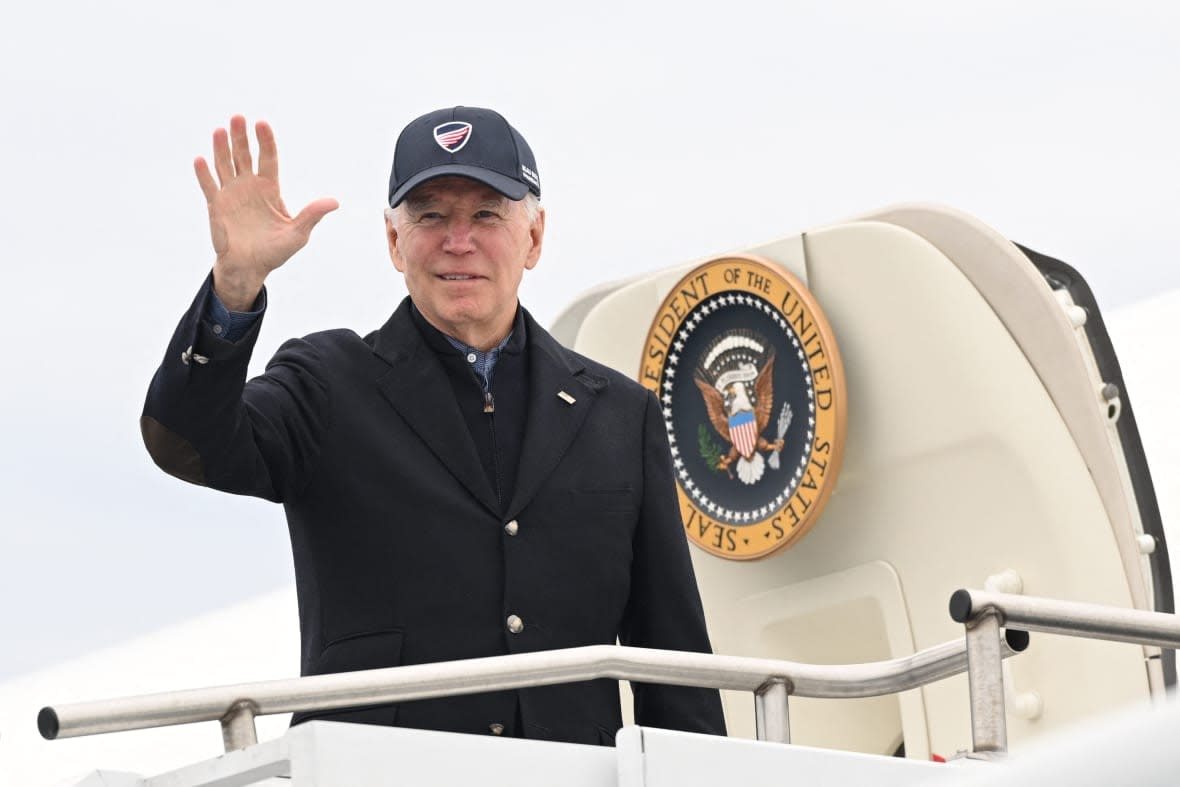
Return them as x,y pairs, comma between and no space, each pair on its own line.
430,215
486,214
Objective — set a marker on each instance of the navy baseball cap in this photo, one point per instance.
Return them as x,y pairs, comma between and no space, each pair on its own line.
468,141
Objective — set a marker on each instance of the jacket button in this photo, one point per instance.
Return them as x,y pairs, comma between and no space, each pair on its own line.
512,527
515,624
497,729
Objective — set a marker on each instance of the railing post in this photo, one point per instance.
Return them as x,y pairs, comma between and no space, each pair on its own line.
237,726
985,678
771,715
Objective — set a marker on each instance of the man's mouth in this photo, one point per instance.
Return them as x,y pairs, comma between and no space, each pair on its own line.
458,277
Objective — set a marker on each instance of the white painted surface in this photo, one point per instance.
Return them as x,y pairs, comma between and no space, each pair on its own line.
662,758
1134,746
332,754
1146,337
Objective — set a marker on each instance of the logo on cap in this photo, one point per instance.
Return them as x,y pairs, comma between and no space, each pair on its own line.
452,136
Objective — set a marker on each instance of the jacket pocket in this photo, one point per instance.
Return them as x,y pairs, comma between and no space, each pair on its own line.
361,651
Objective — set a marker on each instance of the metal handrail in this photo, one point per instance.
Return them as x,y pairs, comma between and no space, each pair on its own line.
1071,618
984,613
236,706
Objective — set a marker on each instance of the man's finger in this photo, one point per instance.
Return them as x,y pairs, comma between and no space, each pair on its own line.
205,178
311,215
241,145
268,153
221,162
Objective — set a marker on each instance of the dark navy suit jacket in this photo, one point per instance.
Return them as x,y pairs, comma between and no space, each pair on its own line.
400,546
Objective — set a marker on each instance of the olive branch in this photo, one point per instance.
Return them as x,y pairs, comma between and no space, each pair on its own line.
710,451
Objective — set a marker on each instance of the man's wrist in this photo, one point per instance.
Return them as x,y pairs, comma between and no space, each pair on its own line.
238,293
232,325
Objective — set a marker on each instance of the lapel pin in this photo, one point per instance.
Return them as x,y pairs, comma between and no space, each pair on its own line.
563,396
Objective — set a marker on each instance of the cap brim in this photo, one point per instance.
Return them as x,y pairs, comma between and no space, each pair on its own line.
512,189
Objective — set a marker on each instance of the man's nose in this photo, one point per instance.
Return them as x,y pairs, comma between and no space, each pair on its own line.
458,237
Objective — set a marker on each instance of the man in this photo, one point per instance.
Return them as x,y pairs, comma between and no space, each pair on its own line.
456,484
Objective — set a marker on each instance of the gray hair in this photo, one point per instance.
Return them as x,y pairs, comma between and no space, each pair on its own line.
531,204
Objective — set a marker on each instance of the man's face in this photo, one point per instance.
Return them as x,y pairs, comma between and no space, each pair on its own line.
463,248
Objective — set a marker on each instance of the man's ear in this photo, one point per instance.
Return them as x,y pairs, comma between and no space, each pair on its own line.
537,233
391,237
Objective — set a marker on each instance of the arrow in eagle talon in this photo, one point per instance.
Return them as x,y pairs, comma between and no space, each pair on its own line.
784,421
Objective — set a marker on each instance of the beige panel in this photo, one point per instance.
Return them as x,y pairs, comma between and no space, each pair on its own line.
858,613
1057,349
959,466
565,327
612,332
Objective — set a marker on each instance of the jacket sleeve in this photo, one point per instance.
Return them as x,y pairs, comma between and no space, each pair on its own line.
664,610
202,422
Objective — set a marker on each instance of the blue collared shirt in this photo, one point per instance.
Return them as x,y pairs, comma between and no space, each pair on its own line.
482,363
232,326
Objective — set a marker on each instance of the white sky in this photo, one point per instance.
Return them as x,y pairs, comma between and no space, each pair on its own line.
661,136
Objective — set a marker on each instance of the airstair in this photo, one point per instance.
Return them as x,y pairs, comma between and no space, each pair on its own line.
331,754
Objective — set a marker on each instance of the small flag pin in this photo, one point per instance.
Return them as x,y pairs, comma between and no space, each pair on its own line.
563,396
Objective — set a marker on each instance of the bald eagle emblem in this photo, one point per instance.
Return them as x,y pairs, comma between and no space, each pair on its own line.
738,346
736,380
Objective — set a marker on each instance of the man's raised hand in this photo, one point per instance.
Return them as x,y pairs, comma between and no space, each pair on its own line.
252,232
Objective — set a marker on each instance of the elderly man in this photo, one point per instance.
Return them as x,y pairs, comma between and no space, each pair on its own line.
457,484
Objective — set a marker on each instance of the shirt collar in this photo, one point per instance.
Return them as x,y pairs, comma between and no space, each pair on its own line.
440,342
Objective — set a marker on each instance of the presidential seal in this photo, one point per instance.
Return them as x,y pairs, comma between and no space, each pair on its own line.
753,394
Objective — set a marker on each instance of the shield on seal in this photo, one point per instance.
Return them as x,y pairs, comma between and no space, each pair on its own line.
744,432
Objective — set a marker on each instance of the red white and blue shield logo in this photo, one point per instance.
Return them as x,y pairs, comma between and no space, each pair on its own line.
743,432
452,136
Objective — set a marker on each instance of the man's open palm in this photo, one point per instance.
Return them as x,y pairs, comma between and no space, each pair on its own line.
251,230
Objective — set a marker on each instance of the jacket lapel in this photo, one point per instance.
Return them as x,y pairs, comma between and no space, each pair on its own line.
417,387
555,378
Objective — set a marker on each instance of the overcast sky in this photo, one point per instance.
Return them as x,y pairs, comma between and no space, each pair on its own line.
661,136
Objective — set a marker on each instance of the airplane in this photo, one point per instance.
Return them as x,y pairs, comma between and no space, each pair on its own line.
865,418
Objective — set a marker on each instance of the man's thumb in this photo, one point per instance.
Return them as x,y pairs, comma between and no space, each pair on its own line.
311,215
